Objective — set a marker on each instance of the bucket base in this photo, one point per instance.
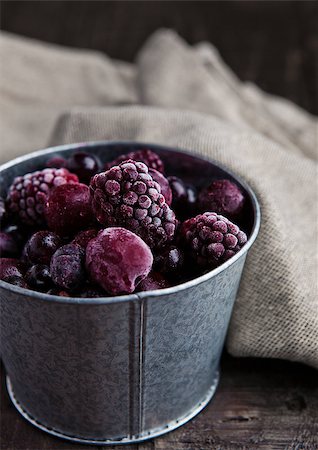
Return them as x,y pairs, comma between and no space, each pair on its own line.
153,433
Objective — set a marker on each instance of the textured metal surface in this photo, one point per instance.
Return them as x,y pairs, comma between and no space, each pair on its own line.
121,368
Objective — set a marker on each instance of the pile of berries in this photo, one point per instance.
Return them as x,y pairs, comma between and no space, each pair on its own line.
80,228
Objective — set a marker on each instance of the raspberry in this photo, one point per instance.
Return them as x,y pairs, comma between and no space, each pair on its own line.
212,239
118,260
27,194
223,197
148,157
127,196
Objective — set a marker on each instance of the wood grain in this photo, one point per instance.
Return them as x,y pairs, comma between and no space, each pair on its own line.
260,404
263,404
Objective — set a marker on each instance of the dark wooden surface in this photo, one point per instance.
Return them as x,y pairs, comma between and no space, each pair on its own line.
260,403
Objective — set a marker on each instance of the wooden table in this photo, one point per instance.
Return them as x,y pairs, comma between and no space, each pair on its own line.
263,404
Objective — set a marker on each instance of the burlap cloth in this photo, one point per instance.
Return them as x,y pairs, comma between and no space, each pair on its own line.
187,97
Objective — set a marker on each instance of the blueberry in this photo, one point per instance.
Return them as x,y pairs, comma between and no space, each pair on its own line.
41,246
39,278
84,165
67,266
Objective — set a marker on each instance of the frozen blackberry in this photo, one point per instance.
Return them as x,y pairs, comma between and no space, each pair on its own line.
127,196
212,239
223,197
163,183
148,157
27,194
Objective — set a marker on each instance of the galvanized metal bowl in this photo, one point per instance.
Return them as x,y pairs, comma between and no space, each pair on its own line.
120,369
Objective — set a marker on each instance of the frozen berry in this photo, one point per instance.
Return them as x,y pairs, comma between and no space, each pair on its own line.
152,282
127,196
28,194
41,246
212,239
118,260
184,197
39,278
56,162
19,233
85,165
163,183
3,212
11,267
67,268
83,237
17,281
8,246
148,157
170,260
223,197
68,208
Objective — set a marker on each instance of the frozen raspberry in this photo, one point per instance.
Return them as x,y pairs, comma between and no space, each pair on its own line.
56,162
184,197
163,183
67,266
223,197
170,260
127,196
38,277
41,246
84,165
17,281
212,238
152,282
8,246
27,194
11,267
68,208
83,237
148,157
118,260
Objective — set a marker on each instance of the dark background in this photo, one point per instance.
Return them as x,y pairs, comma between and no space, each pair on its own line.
264,404
274,44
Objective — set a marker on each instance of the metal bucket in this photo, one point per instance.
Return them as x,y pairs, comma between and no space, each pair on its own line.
120,369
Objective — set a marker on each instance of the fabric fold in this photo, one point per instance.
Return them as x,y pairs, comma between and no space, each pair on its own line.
187,97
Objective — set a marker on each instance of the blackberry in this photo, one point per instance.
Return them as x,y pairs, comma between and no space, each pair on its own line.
27,194
223,197
212,239
148,157
127,196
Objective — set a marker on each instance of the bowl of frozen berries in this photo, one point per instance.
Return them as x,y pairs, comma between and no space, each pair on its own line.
122,260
